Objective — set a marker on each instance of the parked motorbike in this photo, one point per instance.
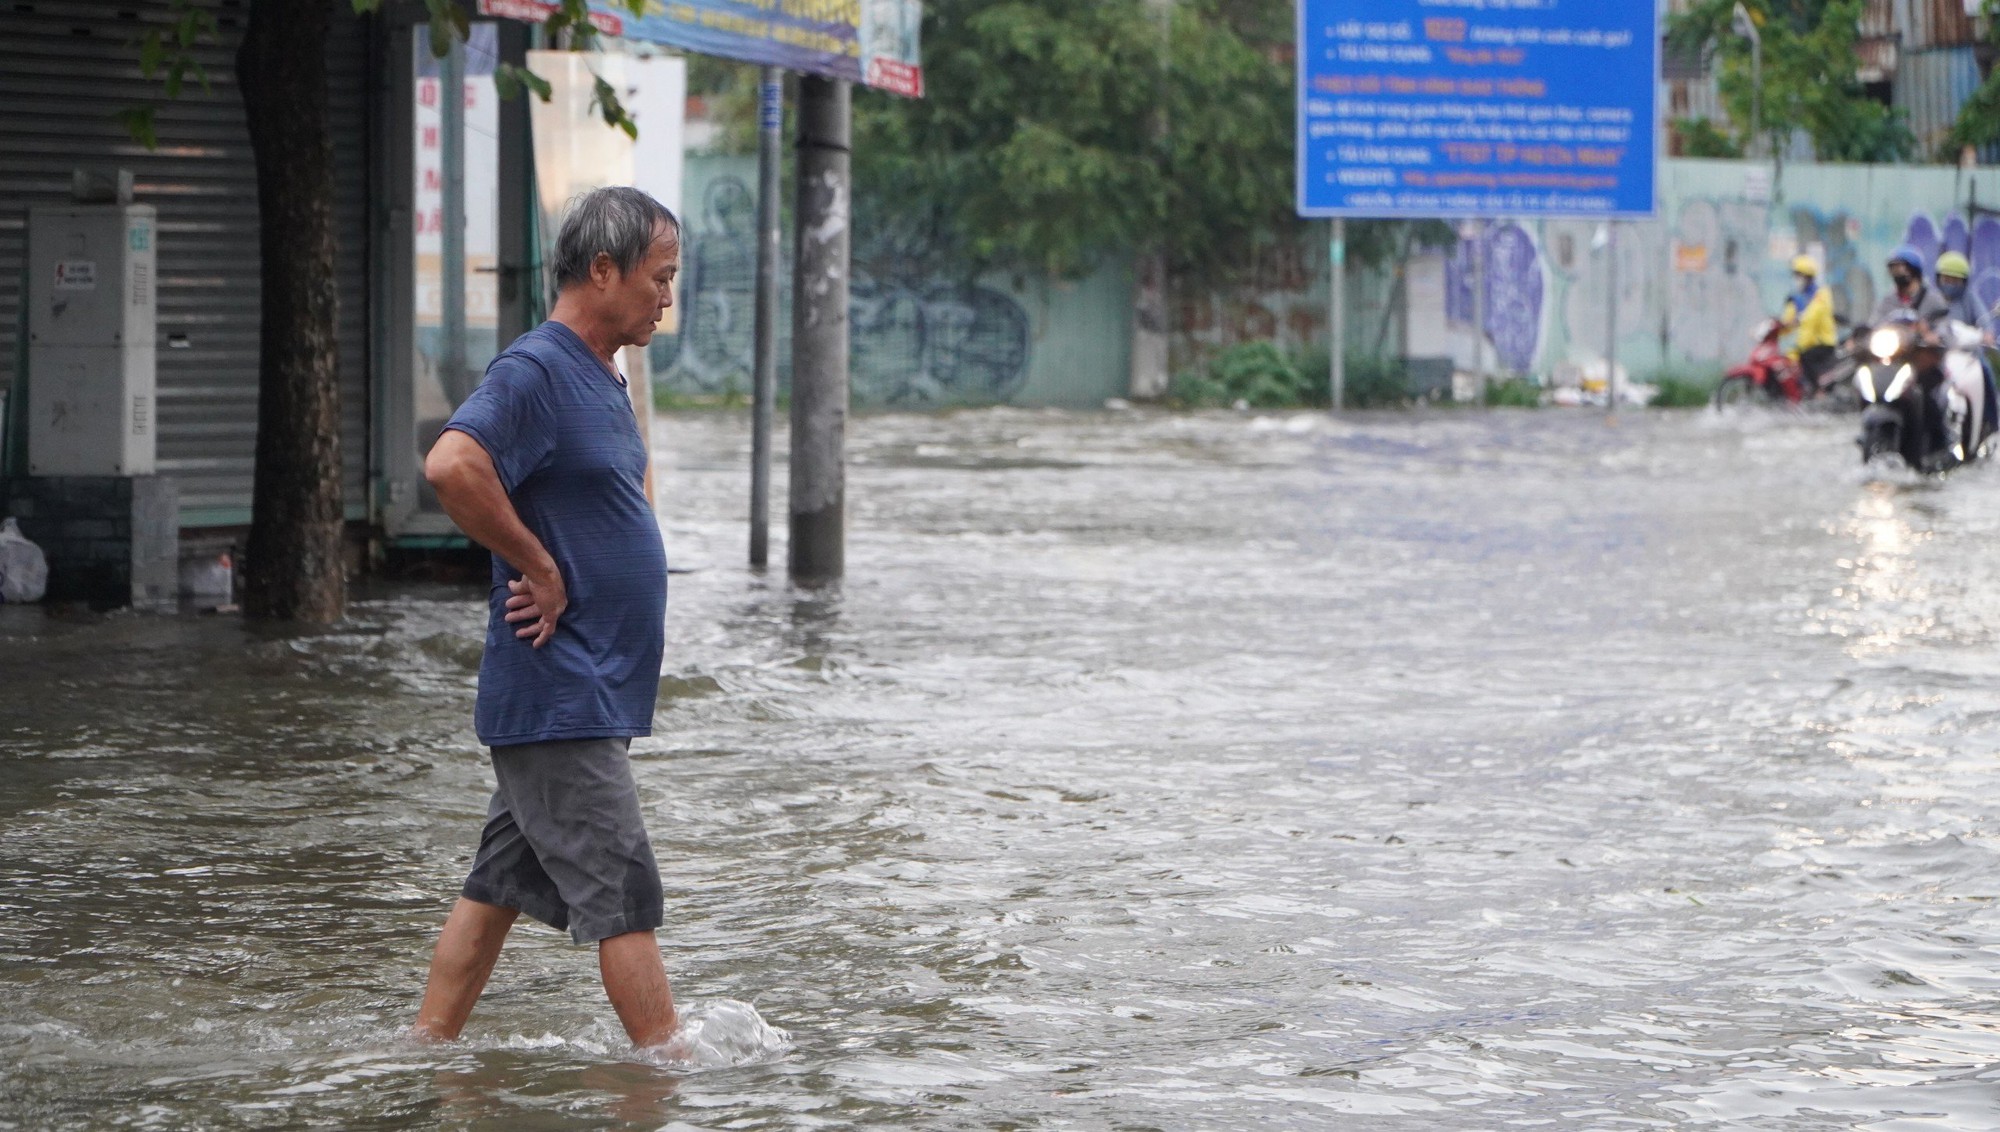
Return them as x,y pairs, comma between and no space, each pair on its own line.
1923,397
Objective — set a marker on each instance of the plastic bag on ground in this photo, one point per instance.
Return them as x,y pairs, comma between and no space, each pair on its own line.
24,572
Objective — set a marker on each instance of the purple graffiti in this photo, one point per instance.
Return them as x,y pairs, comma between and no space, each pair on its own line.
1514,290
1955,238
1985,256
1986,243
1923,236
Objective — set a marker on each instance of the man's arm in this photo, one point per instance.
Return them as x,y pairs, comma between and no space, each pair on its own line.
470,491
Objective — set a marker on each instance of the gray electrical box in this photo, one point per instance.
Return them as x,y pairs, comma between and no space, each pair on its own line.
92,303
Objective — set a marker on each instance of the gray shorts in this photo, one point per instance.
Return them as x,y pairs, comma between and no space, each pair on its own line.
564,841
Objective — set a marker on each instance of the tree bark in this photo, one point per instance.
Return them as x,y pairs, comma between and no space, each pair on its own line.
294,569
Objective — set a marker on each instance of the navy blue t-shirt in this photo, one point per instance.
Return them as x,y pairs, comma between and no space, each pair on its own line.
563,438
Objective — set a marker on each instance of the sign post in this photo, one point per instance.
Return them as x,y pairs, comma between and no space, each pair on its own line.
764,363
1338,314
1419,109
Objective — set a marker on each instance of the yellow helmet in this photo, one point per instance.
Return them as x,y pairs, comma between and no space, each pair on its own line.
1954,265
1804,265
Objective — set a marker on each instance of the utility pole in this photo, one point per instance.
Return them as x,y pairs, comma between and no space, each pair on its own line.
1611,317
1741,22
1479,309
770,120
1337,320
1152,349
819,331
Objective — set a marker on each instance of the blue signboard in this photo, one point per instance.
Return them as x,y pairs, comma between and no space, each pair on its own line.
865,41
1478,107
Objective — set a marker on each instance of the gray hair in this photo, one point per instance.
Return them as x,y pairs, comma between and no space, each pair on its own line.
617,221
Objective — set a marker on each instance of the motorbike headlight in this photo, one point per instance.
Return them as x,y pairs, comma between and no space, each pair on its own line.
1864,383
1884,343
1901,382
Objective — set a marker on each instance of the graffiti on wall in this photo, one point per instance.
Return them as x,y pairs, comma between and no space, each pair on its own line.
1716,258
1978,242
1548,287
1514,285
1832,238
915,339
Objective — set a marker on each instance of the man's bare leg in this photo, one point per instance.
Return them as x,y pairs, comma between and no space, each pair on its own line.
460,965
635,979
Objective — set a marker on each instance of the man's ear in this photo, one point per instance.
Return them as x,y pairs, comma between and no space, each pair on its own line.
602,270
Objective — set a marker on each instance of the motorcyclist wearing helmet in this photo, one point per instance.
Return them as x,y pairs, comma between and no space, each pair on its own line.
1911,299
1953,270
1809,311
1969,326
1913,302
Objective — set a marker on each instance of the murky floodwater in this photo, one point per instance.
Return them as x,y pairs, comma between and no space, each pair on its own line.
1448,771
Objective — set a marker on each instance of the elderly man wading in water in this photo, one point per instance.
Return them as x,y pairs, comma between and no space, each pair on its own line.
544,465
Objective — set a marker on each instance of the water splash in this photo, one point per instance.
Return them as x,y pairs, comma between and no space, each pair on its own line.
723,1034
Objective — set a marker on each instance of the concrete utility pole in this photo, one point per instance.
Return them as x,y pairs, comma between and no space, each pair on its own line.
770,120
1611,317
819,332
1147,377
1741,22
1479,310
1337,315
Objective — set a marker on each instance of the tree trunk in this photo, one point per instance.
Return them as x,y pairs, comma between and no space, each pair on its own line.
294,570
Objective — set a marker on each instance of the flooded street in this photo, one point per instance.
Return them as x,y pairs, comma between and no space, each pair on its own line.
1414,771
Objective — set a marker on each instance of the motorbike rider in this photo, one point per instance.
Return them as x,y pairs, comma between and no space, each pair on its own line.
1910,300
1968,326
1809,311
1953,270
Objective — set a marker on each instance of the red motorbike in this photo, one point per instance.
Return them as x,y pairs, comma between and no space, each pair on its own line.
1769,374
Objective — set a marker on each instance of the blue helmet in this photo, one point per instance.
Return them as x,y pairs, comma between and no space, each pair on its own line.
1910,256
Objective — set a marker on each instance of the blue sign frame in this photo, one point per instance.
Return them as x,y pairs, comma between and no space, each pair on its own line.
1458,108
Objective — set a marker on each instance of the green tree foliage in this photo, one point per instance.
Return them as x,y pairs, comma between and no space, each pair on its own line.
1808,77
1978,121
1032,148
1038,147
1700,137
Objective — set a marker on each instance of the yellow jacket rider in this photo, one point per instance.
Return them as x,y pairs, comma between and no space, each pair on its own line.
1809,310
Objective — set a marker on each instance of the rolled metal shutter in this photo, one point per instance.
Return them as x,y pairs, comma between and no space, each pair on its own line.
66,69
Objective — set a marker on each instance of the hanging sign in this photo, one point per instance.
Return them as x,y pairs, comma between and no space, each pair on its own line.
866,41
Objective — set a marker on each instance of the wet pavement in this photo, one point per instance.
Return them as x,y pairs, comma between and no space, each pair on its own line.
1414,771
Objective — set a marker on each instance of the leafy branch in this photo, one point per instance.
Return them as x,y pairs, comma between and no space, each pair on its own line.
168,52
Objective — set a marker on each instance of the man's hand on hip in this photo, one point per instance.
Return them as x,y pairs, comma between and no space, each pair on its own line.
535,604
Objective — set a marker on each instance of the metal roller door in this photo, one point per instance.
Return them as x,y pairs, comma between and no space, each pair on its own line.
66,69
